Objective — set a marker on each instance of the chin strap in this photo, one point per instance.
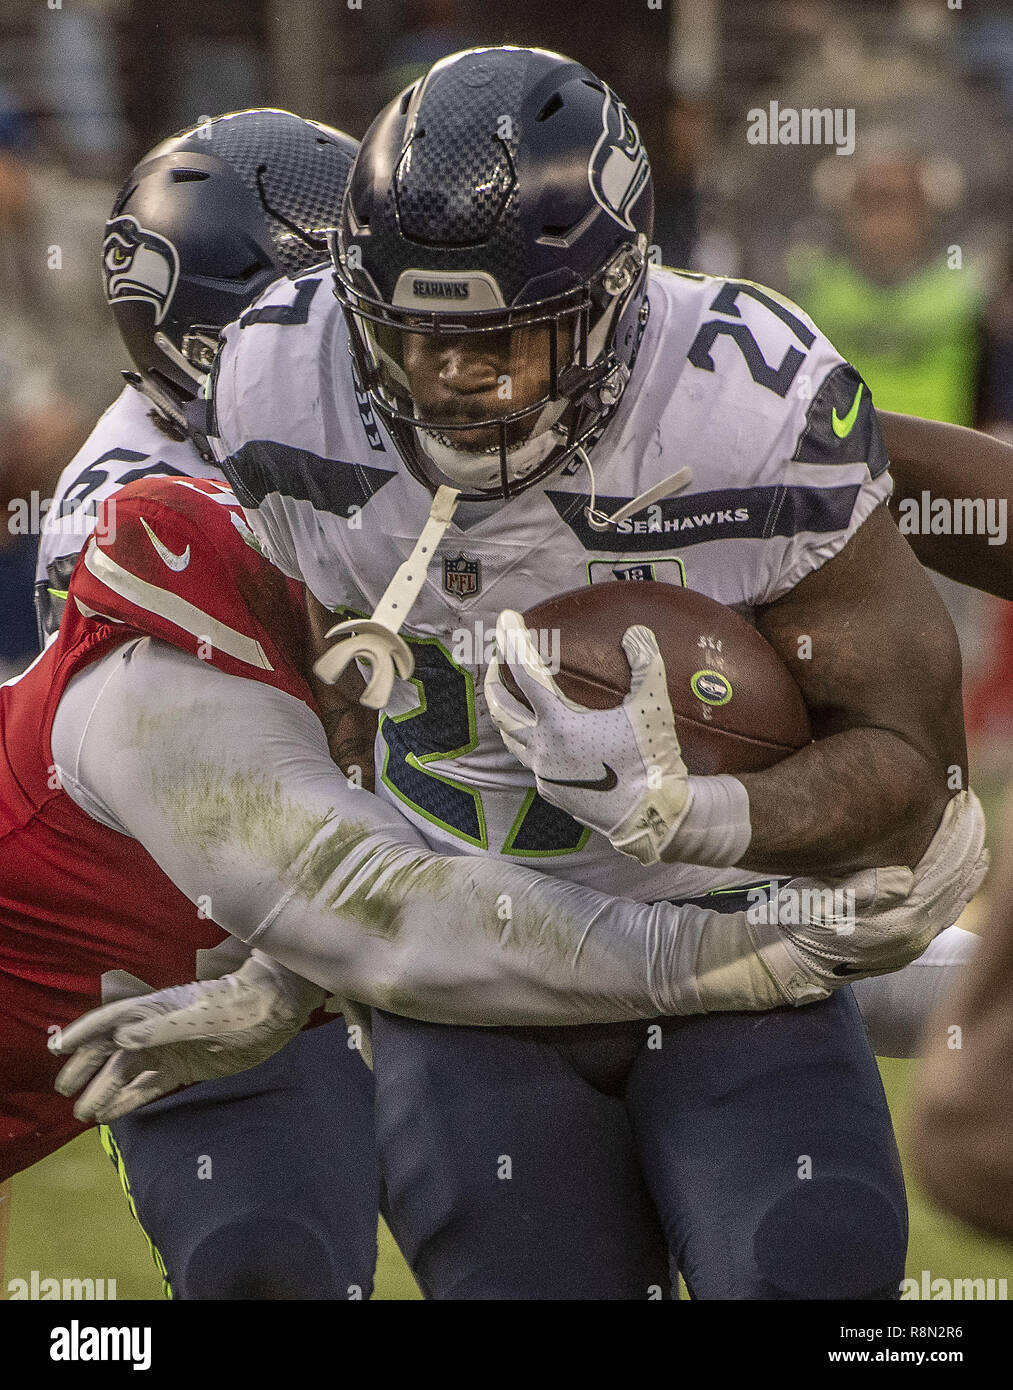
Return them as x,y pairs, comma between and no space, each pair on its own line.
599,521
374,640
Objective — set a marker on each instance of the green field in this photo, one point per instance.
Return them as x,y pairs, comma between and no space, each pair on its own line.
70,1219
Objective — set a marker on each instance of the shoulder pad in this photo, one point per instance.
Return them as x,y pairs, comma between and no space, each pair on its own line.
173,558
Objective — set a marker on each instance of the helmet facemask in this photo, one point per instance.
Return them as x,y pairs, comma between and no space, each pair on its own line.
494,399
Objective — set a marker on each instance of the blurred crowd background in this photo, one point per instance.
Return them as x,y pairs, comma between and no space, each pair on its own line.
900,251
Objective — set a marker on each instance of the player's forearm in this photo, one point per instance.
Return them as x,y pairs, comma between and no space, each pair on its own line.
349,726
454,939
228,785
350,739
363,908
859,798
931,461
883,691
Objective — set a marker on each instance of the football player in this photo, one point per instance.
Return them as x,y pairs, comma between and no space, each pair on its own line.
170,735
200,226
203,223
543,414
234,1232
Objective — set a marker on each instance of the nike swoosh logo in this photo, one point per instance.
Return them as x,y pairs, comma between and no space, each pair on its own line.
842,428
847,970
177,563
604,784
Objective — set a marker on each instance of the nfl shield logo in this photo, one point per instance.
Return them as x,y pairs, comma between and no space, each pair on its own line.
462,577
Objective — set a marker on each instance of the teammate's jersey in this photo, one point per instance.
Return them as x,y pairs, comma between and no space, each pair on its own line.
124,446
732,381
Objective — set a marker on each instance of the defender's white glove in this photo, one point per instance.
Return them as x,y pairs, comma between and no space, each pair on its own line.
620,771
812,936
886,935
147,1047
750,959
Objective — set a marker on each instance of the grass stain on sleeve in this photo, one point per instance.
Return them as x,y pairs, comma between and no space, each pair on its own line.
213,809
210,808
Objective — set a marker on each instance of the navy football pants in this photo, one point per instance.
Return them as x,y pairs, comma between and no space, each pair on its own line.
263,1185
752,1152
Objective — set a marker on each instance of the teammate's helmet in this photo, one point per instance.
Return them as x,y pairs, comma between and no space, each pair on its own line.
204,223
499,210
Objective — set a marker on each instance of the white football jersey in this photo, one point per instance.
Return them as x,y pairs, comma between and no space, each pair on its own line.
125,445
732,381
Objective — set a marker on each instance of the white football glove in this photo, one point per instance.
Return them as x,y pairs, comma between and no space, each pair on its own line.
750,959
804,943
620,771
888,930
146,1047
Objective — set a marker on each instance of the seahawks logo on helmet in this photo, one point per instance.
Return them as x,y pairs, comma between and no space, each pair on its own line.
139,264
618,169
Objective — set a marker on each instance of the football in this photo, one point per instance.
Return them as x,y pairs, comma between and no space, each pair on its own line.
737,707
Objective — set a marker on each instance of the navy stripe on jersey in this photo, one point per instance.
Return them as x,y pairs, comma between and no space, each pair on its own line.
92,477
296,312
330,485
753,513
841,425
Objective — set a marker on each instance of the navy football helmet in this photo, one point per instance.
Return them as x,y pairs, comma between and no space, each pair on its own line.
204,223
491,262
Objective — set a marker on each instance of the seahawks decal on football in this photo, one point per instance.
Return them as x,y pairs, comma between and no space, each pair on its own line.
139,264
618,170
711,687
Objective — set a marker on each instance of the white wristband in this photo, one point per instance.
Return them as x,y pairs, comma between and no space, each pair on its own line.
716,828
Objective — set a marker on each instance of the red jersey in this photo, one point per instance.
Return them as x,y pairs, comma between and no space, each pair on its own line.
172,559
